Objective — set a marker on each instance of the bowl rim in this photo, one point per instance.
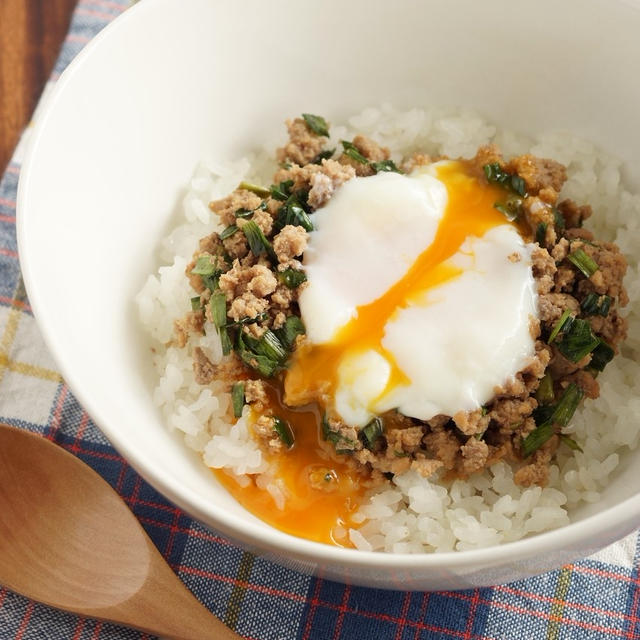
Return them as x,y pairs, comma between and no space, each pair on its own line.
624,516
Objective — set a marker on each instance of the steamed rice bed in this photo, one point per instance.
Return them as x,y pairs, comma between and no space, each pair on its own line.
414,514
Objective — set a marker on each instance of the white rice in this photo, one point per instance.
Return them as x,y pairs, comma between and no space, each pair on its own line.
413,514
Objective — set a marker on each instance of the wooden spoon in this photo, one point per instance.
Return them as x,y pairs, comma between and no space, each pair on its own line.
68,540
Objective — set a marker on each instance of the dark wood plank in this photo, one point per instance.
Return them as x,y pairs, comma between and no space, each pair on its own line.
31,33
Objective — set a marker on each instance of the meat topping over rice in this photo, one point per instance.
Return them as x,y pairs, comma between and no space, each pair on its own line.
247,280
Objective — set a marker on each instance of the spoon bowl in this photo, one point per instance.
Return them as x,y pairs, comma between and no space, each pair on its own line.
68,540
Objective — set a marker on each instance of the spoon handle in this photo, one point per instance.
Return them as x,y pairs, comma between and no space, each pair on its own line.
164,606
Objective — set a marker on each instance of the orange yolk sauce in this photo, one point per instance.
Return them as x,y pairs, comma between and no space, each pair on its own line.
323,489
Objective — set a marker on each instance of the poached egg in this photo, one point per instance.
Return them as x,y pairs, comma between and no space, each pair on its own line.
420,297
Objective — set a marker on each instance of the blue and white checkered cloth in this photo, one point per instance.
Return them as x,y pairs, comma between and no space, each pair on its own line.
596,598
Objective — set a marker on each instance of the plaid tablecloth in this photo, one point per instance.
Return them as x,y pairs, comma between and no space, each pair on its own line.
596,598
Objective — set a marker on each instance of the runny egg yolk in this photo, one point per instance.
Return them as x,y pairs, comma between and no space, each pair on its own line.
322,490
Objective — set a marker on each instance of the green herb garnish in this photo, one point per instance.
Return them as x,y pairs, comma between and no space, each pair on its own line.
544,393
269,345
247,213
246,349
570,442
228,232
541,233
385,165
560,416
512,181
558,218
323,155
601,356
588,266
237,398
218,308
292,278
317,124
559,325
537,438
195,304
289,331
578,341
371,433
258,243
594,305
335,438
567,405
204,266
351,151
511,209
293,212
254,188
248,320
225,340
281,191
284,431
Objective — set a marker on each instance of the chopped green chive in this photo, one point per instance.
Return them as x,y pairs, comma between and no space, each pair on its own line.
562,413
237,398
385,165
335,438
559,325
544,393
567,405
570,442
195,304
511,209
317,124
283,429
512,181
323,155
518,185
578,341
243,213
254,188
292,278
211,282
281,191
204,266
218,307
292,212
228,232
264,365
601,356
541,233
371,432
351,151
248,320
558,219
588,266
595,304
266,354
257,240
225,340
270,346
289,331
537,438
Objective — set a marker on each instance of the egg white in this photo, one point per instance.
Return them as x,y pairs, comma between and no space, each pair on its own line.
456,342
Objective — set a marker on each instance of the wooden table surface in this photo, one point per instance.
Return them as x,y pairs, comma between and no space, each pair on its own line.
31,32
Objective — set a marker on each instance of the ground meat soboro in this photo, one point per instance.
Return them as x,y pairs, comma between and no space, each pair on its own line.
247,280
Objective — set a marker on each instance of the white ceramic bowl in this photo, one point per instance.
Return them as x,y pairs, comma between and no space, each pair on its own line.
170,82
